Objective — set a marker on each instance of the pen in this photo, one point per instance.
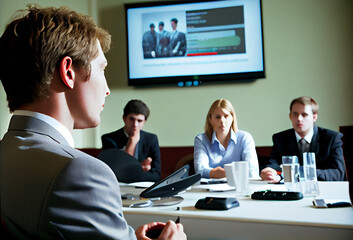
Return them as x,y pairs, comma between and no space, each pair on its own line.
338,204
154,233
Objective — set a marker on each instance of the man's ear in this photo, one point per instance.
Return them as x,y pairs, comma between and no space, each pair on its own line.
315,117
67,74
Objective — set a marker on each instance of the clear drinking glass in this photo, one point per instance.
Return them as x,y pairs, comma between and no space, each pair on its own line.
309,165
291,175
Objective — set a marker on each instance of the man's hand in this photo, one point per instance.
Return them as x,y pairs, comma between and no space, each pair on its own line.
171,231
269,174
132,142
146,164
217,172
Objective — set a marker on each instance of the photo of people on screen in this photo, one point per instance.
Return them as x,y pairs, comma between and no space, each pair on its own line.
177,40
164,43
149,42
194,33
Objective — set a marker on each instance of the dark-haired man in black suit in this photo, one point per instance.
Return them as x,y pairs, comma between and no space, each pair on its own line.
139,144
325,143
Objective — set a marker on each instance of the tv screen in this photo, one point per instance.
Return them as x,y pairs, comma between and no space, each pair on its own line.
186,43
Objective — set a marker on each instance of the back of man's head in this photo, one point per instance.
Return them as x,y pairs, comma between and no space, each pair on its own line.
136,106
305,101
33,45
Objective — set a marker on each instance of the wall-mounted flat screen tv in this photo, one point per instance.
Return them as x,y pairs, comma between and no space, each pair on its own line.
185,43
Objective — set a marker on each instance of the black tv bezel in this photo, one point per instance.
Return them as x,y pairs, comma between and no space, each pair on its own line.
188,80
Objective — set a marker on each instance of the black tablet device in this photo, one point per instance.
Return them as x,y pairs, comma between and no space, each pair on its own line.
276,195
171,185
217,203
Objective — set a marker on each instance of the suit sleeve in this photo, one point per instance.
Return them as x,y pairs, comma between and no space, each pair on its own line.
86,202
156,159
153,152
333,167
276,156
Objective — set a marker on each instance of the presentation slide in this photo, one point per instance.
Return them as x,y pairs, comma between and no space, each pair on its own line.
195,39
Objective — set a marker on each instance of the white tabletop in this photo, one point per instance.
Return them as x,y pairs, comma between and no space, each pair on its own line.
250,213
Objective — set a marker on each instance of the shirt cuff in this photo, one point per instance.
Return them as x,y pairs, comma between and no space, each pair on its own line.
206,173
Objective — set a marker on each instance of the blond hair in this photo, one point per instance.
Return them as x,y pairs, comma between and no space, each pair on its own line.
220,103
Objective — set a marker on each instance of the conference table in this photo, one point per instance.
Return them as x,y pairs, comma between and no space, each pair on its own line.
253,219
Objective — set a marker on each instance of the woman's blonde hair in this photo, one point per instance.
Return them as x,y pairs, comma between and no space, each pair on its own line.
220,103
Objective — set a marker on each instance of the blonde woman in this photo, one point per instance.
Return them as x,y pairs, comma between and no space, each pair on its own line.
223,143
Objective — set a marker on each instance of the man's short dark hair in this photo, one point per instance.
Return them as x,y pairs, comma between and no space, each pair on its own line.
152,25
136,106
161,24
174,20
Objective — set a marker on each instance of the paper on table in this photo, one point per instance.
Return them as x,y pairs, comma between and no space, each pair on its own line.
215,187
221,188
141,184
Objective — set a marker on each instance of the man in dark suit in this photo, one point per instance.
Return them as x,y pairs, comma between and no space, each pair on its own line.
52,70
163,41
177,40
326,144
149,42
139,144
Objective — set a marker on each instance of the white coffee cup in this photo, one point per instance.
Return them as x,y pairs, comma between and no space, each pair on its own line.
242,176
229,168
237,174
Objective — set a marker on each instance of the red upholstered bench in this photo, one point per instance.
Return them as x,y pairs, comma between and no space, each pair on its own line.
171,155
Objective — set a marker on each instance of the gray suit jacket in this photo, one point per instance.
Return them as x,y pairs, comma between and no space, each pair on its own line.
52,191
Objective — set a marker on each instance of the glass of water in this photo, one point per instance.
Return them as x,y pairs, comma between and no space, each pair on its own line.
309,167
291,175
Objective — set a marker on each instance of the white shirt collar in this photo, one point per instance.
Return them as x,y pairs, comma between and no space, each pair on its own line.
51,121
232,136
127,135
308,137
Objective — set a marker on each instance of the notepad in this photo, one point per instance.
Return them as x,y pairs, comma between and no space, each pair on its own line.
215,187
141,184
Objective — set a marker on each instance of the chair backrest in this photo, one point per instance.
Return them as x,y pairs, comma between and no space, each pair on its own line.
348,155
188,159
126,168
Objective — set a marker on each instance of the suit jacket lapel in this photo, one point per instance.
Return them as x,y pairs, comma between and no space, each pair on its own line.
140,146
293,144
314,146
